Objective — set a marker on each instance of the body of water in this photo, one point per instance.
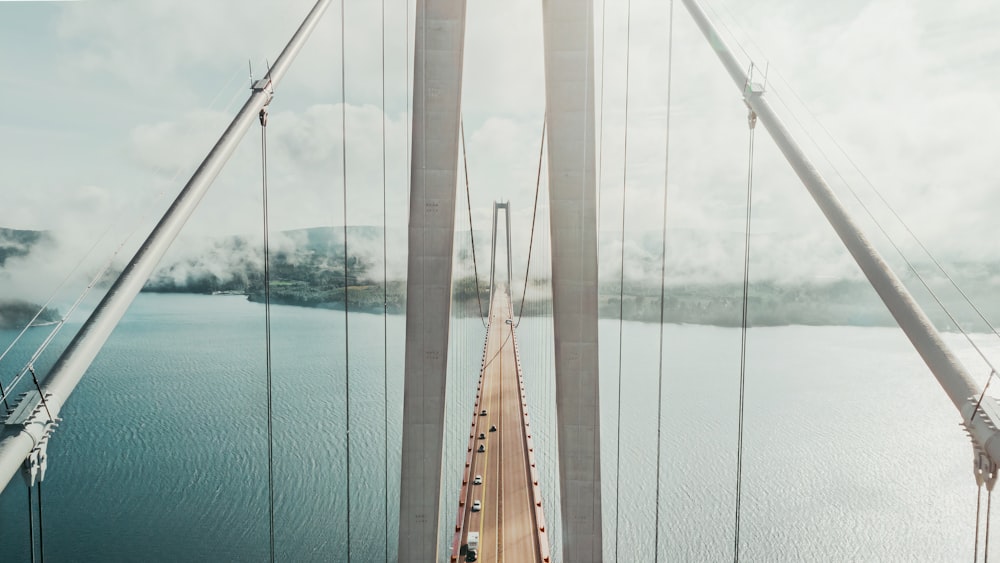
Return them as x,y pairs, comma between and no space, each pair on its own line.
851,451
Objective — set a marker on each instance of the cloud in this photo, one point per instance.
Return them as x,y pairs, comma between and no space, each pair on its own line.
907,88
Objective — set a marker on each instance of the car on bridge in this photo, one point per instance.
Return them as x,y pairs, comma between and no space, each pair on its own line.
482,412
477,506
478,480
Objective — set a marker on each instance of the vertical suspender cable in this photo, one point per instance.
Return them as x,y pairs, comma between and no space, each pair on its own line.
41,526
743,343
979,500
621,281
347,348
407,123
267,331
663,285
600,144
385,308
31,526
986,544
534,214
472,236
595,466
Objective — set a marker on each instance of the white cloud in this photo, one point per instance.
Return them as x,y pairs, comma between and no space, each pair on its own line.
142,89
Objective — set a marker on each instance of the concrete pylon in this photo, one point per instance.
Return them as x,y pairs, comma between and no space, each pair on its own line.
569,97
437,95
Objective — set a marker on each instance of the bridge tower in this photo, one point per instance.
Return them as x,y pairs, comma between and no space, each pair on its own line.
569,102
437,85
437,98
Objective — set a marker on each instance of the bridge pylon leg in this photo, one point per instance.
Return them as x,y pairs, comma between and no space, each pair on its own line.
569,96
437,88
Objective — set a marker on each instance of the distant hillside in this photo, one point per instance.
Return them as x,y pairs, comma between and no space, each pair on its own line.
15,315
16,242
307,269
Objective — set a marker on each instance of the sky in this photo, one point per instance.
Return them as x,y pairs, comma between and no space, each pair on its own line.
109,107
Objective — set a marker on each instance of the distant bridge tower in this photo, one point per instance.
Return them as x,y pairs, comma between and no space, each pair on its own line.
437,84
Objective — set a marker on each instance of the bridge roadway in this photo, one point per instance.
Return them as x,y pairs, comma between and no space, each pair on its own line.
511,524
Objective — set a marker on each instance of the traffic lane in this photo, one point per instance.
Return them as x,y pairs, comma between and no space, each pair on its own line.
519,530
493,515
489,523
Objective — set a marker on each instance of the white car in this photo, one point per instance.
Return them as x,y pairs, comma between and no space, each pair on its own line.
477,506
478,480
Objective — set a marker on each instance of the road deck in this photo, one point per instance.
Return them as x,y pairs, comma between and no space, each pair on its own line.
510,524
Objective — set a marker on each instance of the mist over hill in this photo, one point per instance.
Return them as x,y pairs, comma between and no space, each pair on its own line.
307,268
16,243
15,312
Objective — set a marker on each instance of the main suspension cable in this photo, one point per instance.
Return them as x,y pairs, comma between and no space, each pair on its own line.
906,260
93,247
29,365
663,286
472,236
857,169
534,214
621,282
94,281
893,211
743,340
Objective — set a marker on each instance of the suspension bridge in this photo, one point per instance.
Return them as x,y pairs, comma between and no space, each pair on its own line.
499,511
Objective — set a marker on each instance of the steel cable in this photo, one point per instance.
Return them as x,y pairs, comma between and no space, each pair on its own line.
743,344
600,142
267,331
347,348
979,499
621,279
31,525
472,236
385,306
663,285
41,526
534,214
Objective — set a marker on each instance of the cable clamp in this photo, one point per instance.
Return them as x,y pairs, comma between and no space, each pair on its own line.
985,470
38,460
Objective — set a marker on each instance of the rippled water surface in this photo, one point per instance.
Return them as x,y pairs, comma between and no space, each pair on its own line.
852,451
